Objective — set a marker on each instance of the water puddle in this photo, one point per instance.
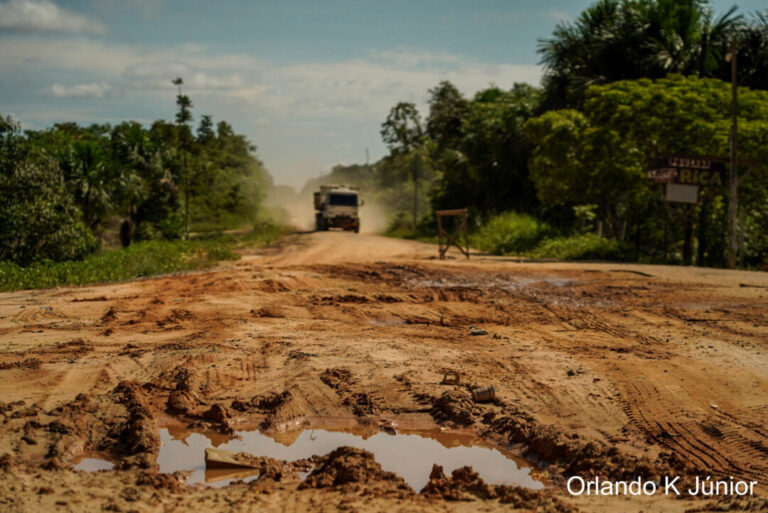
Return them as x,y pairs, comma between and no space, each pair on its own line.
514,284
93,465
409,455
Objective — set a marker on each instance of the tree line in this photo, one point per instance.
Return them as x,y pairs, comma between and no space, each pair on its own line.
66,187
625,80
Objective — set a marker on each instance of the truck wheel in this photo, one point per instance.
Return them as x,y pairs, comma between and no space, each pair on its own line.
357,228
318,222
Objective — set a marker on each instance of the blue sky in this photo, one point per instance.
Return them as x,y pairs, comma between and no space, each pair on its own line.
309,82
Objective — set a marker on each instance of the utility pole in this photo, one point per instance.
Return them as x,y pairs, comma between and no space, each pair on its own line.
733,181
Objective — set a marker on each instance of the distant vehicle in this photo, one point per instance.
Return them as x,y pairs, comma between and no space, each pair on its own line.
336,207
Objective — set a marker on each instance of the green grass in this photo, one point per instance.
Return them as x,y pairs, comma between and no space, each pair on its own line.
580,247
404,233
140,259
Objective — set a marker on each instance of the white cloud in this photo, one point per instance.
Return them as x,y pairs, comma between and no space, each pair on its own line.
136,64
557,15
156,73
146,8
316,106
414,57
94,90
44,15
362,88
491,19
367,88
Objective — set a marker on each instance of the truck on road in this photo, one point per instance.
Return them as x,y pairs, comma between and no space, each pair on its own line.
336,207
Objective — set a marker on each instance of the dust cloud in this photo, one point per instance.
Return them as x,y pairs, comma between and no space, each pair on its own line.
296,209
290,207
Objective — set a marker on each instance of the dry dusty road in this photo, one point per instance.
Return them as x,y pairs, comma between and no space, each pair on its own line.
332,339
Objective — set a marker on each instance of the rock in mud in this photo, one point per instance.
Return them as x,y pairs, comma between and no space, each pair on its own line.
456,406
180,402
216,413
464,485
347,465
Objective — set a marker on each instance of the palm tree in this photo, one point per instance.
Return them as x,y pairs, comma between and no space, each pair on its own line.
629,39
92,183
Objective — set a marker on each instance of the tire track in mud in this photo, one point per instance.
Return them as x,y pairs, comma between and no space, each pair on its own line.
355,316
715,449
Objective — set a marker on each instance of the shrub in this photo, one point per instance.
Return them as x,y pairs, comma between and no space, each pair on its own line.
39,219
140,259
510,232
581,247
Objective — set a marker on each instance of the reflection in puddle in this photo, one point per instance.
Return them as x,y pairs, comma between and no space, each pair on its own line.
408,455
93,465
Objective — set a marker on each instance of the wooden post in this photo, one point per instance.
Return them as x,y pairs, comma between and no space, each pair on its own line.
446,239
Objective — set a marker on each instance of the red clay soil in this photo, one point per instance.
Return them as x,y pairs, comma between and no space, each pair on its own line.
606,370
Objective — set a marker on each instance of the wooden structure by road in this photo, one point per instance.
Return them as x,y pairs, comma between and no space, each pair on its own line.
446,239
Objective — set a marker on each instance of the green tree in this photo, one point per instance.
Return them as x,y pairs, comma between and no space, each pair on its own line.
447,112
601,156
486,167
629,39
402,130
752,45
403,133
183,118
38,216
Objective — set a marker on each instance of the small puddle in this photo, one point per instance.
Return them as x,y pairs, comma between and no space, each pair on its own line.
93,465
410,456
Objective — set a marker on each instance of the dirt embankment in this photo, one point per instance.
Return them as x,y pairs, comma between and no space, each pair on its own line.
600,369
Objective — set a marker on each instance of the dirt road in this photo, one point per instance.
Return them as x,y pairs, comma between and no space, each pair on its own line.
603,370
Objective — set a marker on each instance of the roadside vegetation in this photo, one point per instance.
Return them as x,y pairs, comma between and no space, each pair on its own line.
145,258
71,195
561,171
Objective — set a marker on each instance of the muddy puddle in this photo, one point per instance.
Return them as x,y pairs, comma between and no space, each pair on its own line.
93,465
410,455
514,284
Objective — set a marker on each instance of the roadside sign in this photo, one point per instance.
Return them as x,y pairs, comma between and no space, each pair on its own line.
688,170
681,193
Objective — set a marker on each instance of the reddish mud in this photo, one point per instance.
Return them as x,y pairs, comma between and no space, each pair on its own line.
606,370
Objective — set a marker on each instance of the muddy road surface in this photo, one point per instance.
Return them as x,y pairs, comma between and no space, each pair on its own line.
331,359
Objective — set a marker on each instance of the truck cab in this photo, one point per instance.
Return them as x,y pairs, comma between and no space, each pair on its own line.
336,206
